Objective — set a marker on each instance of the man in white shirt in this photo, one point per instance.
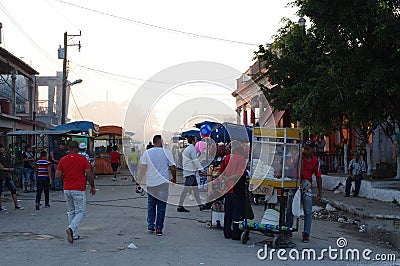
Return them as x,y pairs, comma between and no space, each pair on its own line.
357,168
155,166
191,165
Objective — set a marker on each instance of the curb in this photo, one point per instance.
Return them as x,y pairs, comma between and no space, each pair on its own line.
352,210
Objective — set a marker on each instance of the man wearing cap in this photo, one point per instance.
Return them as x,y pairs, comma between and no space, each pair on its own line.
82,150
356,168
310,166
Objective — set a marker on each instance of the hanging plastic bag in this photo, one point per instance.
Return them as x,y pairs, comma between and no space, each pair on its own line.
296,204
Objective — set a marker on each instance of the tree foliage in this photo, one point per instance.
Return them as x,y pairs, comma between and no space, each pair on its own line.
344,68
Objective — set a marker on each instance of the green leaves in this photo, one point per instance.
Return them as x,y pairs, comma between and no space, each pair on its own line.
345,66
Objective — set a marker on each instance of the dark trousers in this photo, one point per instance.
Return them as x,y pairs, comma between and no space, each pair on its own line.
357,181
190,182
42,184
234,212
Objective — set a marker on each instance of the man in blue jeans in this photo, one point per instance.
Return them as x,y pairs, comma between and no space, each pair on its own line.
155,166
28,159
310,166
357,169
74,169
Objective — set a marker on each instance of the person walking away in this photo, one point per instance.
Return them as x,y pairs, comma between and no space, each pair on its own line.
357,169
55,157
82,150
233,168
133,162
155,166
115,159
191,165
5,178
43,174
309,167
28,159
396,154
74,169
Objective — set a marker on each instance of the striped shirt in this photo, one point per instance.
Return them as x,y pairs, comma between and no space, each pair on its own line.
42,168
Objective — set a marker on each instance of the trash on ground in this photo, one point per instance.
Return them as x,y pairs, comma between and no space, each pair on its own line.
132,246
330,208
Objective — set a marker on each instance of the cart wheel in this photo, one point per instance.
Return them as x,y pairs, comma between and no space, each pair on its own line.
276,242
245,237
208,224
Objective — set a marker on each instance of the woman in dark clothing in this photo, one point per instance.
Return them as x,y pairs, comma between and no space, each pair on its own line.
233,169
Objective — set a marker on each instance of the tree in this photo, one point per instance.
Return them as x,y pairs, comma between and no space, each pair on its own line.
343,71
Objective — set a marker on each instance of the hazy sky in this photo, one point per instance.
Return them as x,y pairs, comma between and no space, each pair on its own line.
125,43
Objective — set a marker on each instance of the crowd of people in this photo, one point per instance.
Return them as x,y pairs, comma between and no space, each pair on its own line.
70,171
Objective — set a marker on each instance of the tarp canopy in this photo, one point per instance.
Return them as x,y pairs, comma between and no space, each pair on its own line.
192,132
77,126
37,132
226,131
115,130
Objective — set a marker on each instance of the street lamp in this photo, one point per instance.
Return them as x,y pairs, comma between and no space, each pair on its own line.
64,99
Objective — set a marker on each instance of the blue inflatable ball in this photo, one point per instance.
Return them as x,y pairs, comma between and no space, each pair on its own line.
205,130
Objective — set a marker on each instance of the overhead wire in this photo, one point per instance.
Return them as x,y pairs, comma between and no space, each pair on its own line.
157,26
27,35
72,94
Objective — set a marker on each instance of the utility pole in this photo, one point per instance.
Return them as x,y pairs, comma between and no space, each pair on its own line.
65,73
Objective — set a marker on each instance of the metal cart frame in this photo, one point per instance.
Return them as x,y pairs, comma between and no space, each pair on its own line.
270,152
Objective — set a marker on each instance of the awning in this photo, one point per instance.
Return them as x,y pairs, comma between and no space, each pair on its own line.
37,132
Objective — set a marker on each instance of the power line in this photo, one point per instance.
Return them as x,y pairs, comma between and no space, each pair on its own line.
27,35
76,104
140,79
14,90
156,26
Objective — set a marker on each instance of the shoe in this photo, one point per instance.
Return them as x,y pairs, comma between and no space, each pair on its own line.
191,197
70,237
77,238
47,206
151,230
37,207
347,195
201,207
182,209
26,191
114,179
19,207
306,238
159,232
397,177
3,209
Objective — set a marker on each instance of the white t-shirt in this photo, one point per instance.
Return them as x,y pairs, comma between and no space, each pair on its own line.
158,161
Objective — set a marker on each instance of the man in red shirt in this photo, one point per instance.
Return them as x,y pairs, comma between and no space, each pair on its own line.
310,166
74,169
114,154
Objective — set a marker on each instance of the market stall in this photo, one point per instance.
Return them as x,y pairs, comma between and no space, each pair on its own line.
108,137
274,170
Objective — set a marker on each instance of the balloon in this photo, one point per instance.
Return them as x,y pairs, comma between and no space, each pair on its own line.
205,130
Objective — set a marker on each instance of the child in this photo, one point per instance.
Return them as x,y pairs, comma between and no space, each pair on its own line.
43,173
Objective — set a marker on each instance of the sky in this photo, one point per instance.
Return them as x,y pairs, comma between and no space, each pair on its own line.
125,43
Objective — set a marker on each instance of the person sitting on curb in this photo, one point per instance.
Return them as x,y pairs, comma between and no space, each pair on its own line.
357,168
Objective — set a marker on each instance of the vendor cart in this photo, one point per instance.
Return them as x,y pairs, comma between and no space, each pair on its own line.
274,170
